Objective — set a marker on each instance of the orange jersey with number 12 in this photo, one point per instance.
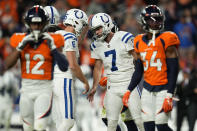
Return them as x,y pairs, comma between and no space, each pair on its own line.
36,63
153,56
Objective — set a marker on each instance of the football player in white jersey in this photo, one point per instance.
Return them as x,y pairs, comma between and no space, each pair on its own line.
54,20
115,51
64,97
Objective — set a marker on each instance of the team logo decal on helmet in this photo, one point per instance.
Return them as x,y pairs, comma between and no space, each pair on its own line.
78,16
106,21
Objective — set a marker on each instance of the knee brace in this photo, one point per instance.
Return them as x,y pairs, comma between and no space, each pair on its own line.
112,125
139,124
66,125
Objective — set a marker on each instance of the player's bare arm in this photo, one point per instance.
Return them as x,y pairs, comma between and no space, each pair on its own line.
76,70
96,77
171,52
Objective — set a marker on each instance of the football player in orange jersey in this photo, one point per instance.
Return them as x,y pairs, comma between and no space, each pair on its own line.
157,59
38,54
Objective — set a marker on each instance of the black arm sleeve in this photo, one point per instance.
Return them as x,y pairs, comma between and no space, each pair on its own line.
60,59
172,71
137,75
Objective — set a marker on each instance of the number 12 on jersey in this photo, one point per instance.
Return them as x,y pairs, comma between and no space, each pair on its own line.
35,69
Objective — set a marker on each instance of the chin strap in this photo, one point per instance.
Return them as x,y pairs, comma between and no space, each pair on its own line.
153,38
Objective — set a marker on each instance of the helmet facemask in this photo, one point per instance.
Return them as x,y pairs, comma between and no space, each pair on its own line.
36,16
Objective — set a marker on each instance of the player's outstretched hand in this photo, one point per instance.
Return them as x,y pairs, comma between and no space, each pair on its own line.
28,38
90,96
126,98
50,41
87,87
167,104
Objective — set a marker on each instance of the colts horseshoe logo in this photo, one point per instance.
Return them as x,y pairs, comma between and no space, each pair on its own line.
106,20
78,15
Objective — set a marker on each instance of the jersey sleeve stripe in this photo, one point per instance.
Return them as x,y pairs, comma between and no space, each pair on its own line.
93,45
125,36
163,43
69,37
137,44
128,38
69,34
91,48
139,91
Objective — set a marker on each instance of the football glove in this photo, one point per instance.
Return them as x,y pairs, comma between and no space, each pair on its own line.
167,104
27,39
50,41
103,81
126,98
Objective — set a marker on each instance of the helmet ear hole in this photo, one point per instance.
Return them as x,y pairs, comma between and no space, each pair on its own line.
76,22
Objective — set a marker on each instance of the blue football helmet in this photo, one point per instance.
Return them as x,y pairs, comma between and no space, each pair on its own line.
152,18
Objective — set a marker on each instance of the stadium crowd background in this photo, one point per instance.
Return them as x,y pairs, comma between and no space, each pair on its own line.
180,17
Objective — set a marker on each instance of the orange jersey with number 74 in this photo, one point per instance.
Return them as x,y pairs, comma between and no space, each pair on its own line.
36,63
153,56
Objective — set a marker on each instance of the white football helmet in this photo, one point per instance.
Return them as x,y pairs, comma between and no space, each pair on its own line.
76,18
54,16
101,20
